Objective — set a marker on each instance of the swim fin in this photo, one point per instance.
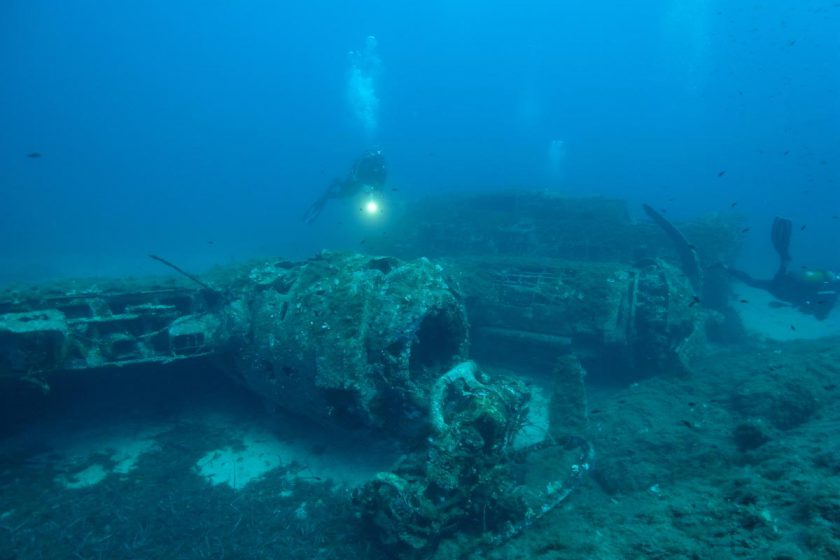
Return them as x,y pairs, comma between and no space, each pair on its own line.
335,190
780,235
315,209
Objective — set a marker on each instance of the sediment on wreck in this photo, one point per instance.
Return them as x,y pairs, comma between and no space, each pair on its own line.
347,339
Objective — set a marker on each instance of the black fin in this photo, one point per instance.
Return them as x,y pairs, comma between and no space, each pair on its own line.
780,235
315,209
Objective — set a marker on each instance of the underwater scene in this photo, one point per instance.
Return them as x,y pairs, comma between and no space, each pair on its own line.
439,280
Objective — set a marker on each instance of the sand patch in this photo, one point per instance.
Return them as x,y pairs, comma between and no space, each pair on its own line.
85,478
91,457
258,454
308,454
780,323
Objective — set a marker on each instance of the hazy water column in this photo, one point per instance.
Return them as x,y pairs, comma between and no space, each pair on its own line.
685,28
556,163
365,67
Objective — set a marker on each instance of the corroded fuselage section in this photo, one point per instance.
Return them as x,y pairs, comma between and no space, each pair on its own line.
520,279
94,324
340,338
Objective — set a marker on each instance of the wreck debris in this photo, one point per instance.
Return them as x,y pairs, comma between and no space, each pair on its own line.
87,325
613,317
469,480
464,372
338,338
349,339
685,250
181,271
564,288
541,225
568,408
545,275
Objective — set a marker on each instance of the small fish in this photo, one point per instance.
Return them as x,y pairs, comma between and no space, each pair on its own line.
34,155
830,387
745,230
835,217
721,173
363,241
786,152
803,227
744,301
734,204
687,424
694,301
394,189
663,210
791,43
793,327
210,242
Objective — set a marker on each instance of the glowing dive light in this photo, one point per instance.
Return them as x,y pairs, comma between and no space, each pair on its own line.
372,207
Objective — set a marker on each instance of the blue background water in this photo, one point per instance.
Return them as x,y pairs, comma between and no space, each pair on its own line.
167,125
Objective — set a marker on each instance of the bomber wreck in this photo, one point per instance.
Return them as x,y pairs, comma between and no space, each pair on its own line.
465,309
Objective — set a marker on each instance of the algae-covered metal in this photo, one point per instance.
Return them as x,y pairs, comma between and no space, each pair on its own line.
84,325
625,319
356,339
471,479
348,338
545,275
542,225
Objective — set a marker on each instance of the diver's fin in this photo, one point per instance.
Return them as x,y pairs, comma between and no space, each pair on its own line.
333,191
688,256
314,210
780,235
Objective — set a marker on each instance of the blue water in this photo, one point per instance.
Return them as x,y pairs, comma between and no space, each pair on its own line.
202,130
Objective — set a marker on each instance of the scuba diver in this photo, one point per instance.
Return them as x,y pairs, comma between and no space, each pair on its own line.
811,291
367,176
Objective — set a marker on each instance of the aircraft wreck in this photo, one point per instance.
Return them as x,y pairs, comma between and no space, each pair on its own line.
566,287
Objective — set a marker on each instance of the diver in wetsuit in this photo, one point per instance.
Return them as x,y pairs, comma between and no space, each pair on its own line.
814,292
367,176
